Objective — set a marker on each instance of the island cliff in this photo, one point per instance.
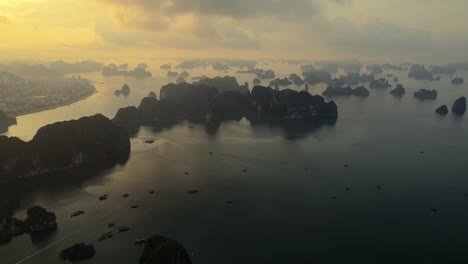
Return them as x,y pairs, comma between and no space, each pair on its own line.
61,146
205,104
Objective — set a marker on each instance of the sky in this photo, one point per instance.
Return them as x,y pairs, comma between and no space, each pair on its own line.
430,31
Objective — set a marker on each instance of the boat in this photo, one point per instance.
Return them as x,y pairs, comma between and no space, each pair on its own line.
77,213
134,206
140,241
123,229
125,195
111,224
103,197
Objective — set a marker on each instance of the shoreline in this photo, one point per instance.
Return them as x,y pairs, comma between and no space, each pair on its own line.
59,105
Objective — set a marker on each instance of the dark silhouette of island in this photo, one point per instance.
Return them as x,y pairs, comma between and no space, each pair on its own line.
419,72
308,68
280,82
351,78
330,67
256,81
125,90
459,106
223,84
442,110
399,91
76,67
77,252
316,76
38,221
261,73
165,67
152,94
424,94
123,66
360,91
220,67
6,121
188,65
374,68
172,74
458,81
180,79
296,79
209,104
62,146
446,69
184,74
161,250
380,83
139,72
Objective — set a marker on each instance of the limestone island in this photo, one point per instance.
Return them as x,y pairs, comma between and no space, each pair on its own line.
62,146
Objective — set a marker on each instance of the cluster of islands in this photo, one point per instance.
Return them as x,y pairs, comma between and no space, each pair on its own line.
206,101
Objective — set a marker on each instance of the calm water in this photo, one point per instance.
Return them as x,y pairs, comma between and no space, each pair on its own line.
282,211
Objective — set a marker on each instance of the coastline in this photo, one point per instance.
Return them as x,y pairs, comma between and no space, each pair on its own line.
59,105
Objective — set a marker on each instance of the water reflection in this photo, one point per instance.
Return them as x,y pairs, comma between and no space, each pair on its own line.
11,193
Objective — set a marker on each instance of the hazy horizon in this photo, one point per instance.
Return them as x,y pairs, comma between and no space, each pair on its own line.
397,31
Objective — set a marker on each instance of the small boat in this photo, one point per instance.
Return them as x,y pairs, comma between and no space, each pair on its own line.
151,141
192,192
111,224
140,241
151,192
134,206
77,213
123,229
103,197
126,195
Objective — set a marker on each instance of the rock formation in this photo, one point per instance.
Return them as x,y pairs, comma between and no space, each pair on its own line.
161,250
79,251
419,72
380,83
61,146
280,82
346,91
442,110
399,91
6,121
458,81
425,94
296,79
459,106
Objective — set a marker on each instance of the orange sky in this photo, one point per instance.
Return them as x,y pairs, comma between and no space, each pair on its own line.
395,30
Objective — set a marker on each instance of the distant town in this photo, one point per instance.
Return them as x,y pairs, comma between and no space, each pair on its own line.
19,96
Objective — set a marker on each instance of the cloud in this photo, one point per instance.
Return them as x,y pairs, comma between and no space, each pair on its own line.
239,9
